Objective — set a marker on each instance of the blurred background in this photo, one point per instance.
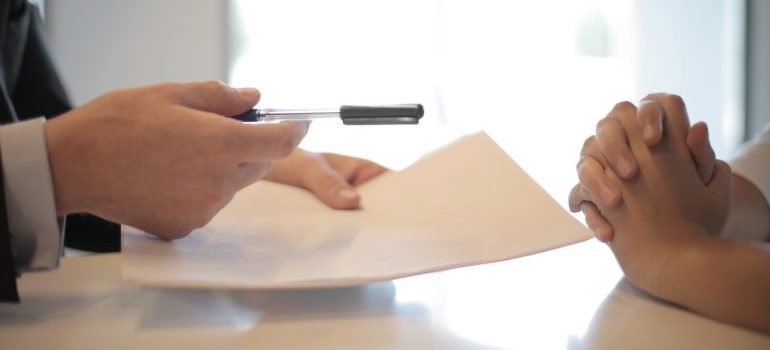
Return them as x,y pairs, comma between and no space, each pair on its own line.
535,75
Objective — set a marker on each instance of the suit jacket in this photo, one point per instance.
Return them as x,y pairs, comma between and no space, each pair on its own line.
30,87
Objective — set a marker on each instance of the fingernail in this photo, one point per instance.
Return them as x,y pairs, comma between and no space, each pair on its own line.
248,92
625,167
648,133
347,194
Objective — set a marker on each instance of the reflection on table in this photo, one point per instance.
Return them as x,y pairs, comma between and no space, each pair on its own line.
569,298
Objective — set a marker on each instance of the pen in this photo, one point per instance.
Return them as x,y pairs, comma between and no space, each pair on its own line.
350,115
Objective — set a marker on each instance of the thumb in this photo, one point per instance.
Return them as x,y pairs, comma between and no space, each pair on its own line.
331,188
215,97
721,182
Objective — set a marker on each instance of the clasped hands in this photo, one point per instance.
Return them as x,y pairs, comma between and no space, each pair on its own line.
650,186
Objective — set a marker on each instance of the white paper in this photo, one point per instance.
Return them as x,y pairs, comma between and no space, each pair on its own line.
465,204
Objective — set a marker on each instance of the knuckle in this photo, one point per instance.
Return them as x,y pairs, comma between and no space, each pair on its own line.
168,86
215,90
649,96
624,107
649,114
161,88
608,130
168,89
674,100
604,123
653,96
214,85
588,144
583,167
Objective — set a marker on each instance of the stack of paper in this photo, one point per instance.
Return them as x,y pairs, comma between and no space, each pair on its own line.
465,204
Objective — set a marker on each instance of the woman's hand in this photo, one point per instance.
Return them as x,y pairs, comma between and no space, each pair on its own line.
609,149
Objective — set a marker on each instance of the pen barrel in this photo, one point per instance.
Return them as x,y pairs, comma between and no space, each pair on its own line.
380,115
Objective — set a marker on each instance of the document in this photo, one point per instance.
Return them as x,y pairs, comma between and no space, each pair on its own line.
467,203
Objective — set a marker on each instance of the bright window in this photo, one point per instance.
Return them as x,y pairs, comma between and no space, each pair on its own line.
536,75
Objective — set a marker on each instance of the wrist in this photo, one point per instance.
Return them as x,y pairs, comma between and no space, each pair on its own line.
658,266
61,163
687,263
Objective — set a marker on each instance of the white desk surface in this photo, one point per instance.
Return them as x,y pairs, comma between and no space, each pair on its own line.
569,298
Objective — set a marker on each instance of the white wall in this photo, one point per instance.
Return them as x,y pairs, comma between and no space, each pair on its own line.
100,45
758,84
695,49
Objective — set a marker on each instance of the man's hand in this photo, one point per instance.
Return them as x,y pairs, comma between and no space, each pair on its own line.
331,177
610,149
162,158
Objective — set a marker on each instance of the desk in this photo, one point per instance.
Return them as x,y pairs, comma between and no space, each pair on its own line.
569,298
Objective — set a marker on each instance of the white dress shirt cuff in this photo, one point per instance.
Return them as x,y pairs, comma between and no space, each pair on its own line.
36,233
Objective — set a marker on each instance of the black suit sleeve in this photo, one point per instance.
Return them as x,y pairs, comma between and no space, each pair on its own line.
30,87
37,90
8,291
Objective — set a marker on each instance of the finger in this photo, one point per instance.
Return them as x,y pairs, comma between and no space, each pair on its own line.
356,170
575,198
612,141
597,182
626,113
214,97
591,149
596,222
249,173
331,188
701,151
597,187
650,117
259,142
676,121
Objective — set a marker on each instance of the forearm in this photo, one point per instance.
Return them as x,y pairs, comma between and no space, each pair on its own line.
726,280
749,213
